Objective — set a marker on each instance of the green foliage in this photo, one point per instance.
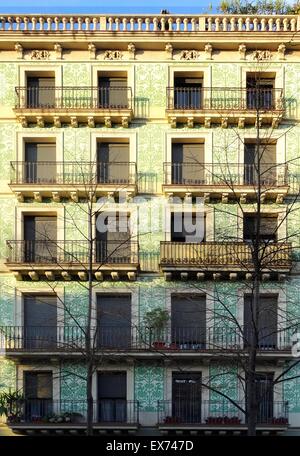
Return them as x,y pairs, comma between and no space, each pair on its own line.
258,7
7,401
156,318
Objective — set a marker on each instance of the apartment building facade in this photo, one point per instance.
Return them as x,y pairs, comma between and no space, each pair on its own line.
142,114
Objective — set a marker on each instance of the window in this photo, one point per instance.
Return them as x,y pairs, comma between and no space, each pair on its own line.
188,321
267,320
267,231
114,320
40,234
112,397
38,394
188,91
188,227
40,321
112,90
263,155
260,91
40,163
188,166
113,162
40,91
113,245
186,397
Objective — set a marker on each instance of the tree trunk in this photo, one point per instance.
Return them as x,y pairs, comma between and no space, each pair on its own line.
89,348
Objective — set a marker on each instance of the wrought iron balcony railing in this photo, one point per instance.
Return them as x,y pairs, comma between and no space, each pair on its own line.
225,174
237,255
67,412
221,98
72,173
72,339
70,98
72,252
176,413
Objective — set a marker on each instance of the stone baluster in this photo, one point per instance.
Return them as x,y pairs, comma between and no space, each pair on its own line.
193,22
270,24
72,21
140,24
278,24
163,24
124,21
26,20
95,22
33,20
232,24
56,20
217,24
285,24
2,21
147,21
170,22
209,24
178,23
255,24
64,21
155,24
79,20
225,23
87,24
240,24
263,24
293,24
117,22
18,21
248,22
49,23
185,24
132,24
41,22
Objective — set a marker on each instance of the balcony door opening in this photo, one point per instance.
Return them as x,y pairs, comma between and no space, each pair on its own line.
40,321
188,227
267,230
114,245
112,394
40,163
260,90
113,163
188,87
188,321
267,321
114,321
260,163
264,390
113,90
186,397
40,90
40,238
188,167
38,394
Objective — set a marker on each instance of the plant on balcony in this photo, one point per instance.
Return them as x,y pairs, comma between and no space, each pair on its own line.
67,417
156,320
172,420
9,402
223,420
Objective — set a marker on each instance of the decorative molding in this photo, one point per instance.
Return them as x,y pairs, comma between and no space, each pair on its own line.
92,51
19,50
189,55
242,51
113,55
169,51
58,51
40,54
281,51
208,49
260,56
131,50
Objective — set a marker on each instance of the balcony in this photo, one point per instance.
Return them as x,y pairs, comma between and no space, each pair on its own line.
219,416
225,180
73,105
49,416
213,259
141,342
218,105
69,259
70,179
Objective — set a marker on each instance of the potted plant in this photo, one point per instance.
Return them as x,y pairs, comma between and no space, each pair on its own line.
11,405
156,320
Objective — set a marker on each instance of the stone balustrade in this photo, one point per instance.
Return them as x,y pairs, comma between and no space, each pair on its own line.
146,23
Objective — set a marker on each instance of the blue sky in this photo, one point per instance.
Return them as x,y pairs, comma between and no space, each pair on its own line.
100,6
